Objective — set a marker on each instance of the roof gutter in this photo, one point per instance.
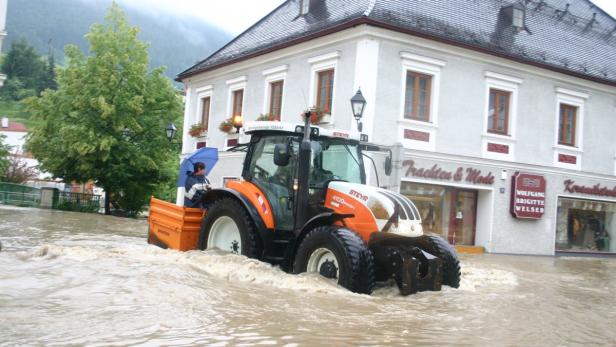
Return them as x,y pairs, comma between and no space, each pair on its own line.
365,20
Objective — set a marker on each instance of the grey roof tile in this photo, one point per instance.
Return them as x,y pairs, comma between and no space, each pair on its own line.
570,41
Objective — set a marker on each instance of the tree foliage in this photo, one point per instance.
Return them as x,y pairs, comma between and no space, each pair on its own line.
105,122
4,156
18,171
27,73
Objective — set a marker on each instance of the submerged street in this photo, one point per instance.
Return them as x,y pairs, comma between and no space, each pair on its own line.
86,279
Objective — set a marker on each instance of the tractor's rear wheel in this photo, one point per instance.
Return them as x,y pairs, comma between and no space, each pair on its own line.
440,248
228,227
337,253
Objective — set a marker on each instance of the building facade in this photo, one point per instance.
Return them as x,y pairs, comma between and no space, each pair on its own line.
473,98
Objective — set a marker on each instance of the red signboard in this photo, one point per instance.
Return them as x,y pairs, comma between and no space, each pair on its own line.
528,196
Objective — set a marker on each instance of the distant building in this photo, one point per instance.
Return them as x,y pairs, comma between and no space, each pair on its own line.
474,91
15,133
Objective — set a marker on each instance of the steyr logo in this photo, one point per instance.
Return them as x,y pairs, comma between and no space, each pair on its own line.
358,195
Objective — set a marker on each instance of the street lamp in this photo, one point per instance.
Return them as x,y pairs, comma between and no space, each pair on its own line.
237,122
358,103
170,131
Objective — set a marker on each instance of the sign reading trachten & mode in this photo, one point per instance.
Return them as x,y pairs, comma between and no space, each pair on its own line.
528,196
468,175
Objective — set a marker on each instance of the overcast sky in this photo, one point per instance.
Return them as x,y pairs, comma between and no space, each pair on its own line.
235,16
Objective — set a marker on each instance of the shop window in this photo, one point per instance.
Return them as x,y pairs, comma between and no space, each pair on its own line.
276,99
567,125
205,112
498,112
586,226
446,211
417,96
325,90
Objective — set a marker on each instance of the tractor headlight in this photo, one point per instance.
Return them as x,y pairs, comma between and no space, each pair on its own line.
406,228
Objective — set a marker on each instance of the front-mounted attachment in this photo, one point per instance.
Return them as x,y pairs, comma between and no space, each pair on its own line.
412,268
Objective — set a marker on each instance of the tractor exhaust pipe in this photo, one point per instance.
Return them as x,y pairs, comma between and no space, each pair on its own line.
303,169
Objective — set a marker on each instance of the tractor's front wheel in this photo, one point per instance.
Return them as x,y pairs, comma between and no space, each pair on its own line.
228,227
337,253
440,248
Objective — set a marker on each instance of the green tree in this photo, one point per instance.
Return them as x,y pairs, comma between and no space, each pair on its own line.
5,151
24,69
48,79
105,122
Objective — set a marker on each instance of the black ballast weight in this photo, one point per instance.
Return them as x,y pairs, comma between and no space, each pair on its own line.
413,269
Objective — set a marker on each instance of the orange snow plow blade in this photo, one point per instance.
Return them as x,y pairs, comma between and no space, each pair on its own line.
173,226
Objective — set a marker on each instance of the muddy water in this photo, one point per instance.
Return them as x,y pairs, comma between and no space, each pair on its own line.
77,279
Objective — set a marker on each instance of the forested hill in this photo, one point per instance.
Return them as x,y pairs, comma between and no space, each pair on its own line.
175,42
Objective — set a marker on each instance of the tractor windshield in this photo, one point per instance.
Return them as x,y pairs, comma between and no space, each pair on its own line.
337,159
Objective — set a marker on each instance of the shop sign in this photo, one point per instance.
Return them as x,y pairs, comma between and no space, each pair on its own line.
597,189
528,195
468,175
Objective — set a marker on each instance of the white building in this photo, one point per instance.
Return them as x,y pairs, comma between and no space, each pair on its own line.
15,133
474,91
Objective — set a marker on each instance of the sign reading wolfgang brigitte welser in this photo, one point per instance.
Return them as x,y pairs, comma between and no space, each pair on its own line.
528,196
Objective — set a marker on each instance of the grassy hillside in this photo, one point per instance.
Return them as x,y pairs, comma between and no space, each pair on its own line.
176,43
15,111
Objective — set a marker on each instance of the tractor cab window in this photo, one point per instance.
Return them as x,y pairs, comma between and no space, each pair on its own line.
276,182
334,159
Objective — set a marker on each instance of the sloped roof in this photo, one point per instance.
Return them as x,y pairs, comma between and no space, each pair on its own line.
14,127
579,39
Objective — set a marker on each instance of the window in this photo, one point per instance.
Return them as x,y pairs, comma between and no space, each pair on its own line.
567,125
276,99
325,90
447,211
417,96
585,226
238,99
498,112
205,112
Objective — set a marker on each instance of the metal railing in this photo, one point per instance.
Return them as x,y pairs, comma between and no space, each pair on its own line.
77,202
19,195
26,196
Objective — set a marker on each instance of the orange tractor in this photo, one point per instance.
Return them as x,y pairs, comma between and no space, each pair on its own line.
302,204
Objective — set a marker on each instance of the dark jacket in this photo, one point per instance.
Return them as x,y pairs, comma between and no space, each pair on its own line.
195,189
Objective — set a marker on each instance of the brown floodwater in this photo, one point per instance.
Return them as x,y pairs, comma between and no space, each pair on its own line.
90,280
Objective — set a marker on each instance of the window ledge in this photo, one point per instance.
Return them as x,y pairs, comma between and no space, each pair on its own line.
498,137
418,123
568,148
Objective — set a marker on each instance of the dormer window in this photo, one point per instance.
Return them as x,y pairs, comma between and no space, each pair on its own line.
304,7
517,15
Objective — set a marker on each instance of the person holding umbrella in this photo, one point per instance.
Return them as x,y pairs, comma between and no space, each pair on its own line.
196,186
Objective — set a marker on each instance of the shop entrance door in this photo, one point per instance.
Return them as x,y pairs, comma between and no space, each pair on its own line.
462,217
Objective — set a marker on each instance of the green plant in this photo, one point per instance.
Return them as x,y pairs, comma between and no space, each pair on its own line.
197,130
267,118
226,126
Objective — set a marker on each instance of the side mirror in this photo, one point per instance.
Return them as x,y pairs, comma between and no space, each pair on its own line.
281,154
388,165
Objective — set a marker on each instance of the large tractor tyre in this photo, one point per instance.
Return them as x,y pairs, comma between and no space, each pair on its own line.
228,227
438,247
337,253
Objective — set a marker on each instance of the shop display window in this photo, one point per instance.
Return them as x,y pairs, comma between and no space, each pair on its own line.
446,211
585,226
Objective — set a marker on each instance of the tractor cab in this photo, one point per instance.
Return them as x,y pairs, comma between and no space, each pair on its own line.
272,165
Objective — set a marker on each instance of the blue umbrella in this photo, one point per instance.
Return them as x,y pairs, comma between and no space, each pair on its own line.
206,155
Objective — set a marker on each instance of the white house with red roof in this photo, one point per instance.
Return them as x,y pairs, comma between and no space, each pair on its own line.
15,136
